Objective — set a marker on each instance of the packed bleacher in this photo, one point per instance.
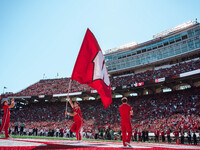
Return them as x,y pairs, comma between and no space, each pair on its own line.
58,86
178,110
52,86
155,74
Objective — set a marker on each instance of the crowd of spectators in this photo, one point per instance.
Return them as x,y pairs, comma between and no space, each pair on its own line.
178,110
52,86
58,86
155,74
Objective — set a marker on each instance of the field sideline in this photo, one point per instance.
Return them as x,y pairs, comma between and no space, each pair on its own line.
38,142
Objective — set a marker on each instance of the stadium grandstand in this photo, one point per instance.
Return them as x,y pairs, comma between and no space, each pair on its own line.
160,77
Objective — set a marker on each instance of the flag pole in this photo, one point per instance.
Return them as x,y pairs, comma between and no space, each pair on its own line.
69,89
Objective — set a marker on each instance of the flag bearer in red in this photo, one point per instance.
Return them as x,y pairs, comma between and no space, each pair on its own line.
78,120
126,113
6,117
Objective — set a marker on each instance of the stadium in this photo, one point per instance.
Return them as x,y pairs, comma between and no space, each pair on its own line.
160,78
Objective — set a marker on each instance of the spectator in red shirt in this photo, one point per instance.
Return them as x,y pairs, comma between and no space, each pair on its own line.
61,132
126,113
157,133
168,136
140,135
176,134
78,120
6,117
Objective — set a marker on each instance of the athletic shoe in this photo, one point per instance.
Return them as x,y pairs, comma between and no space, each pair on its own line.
80,141
128,144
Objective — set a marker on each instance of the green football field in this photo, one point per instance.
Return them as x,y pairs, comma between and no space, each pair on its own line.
57,138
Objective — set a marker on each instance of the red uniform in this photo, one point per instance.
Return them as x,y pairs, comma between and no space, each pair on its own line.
5,121
76,127
176,133
124,110
163,133
140,135
157,132
135,133
168,132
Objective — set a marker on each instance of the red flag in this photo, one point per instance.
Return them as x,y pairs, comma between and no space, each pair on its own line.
90,68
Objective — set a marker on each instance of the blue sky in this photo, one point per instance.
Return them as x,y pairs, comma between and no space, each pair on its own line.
44,36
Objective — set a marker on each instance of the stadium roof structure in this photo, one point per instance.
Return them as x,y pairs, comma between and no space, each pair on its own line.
167,47
156,37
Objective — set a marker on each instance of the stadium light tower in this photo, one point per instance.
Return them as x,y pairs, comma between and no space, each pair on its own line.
4,89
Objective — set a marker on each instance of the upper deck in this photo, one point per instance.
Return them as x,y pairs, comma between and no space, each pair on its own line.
171,43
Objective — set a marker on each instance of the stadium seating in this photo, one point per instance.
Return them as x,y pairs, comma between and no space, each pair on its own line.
58,86
174,110
155,74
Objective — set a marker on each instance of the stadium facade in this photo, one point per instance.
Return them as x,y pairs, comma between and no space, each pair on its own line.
178,42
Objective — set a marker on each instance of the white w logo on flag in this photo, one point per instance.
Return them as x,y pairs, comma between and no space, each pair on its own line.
100,71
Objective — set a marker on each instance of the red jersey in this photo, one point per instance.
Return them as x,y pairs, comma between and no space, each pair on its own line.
78,116
5,120
124,110
61,130
139,133
163,133
6,110
176,133
168,132
135,133
157,132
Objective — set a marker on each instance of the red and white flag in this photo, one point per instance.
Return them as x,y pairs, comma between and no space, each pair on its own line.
90,68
